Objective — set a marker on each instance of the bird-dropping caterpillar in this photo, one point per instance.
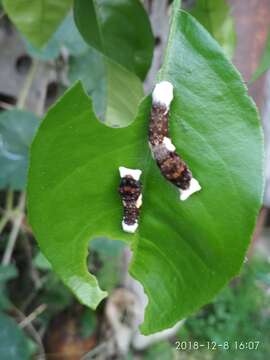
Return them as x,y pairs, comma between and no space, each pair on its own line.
130,190
172,167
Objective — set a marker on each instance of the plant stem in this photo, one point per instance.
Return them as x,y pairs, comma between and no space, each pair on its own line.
27,85
4,221
9,200
33,332
15,231
8,210
30,318
19,212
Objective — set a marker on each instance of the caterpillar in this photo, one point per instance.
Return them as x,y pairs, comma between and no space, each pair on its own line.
130,190
172,167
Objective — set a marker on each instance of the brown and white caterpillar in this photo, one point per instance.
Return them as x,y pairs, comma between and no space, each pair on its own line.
130,190
172,167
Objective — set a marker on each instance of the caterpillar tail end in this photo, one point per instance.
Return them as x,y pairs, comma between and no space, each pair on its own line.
193,187
129,228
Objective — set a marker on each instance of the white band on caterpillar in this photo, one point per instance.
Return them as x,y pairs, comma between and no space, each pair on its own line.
168,144
163,93
135,173
129,228
130,190
193,187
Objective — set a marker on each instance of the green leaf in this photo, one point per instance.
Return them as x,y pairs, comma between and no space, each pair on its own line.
161,351
183,252
17,129
215,16
120,30
67,36
7,272
41,263
88,323
264,62
116,91
13,342
37,20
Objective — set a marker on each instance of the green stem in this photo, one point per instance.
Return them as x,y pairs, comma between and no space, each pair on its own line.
4,221
8,210
27,85
15,231
19,211
9,200
176,6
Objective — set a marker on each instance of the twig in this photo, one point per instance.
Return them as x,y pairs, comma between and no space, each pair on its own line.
15,231
97,350
8,210
9,200
33,332
20,209
4,221
28,251
30,318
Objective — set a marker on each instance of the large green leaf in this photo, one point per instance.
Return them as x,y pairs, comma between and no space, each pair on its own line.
17,129
116,91
38,19
264,62
215,16
119,29
183,252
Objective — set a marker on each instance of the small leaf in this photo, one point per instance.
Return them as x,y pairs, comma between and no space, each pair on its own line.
13,342
88,323
66,36
264,62
161,351
120,30
7,272
116,91
38,19
17,129
41,263
183,253
215,16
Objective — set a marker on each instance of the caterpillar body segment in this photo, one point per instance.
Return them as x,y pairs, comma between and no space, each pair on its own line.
171,165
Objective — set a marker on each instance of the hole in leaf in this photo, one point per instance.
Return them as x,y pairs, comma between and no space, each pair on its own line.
23,64
51,93
157,40
105,261
7,101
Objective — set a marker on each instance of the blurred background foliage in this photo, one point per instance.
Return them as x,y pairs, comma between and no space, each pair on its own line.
38,314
